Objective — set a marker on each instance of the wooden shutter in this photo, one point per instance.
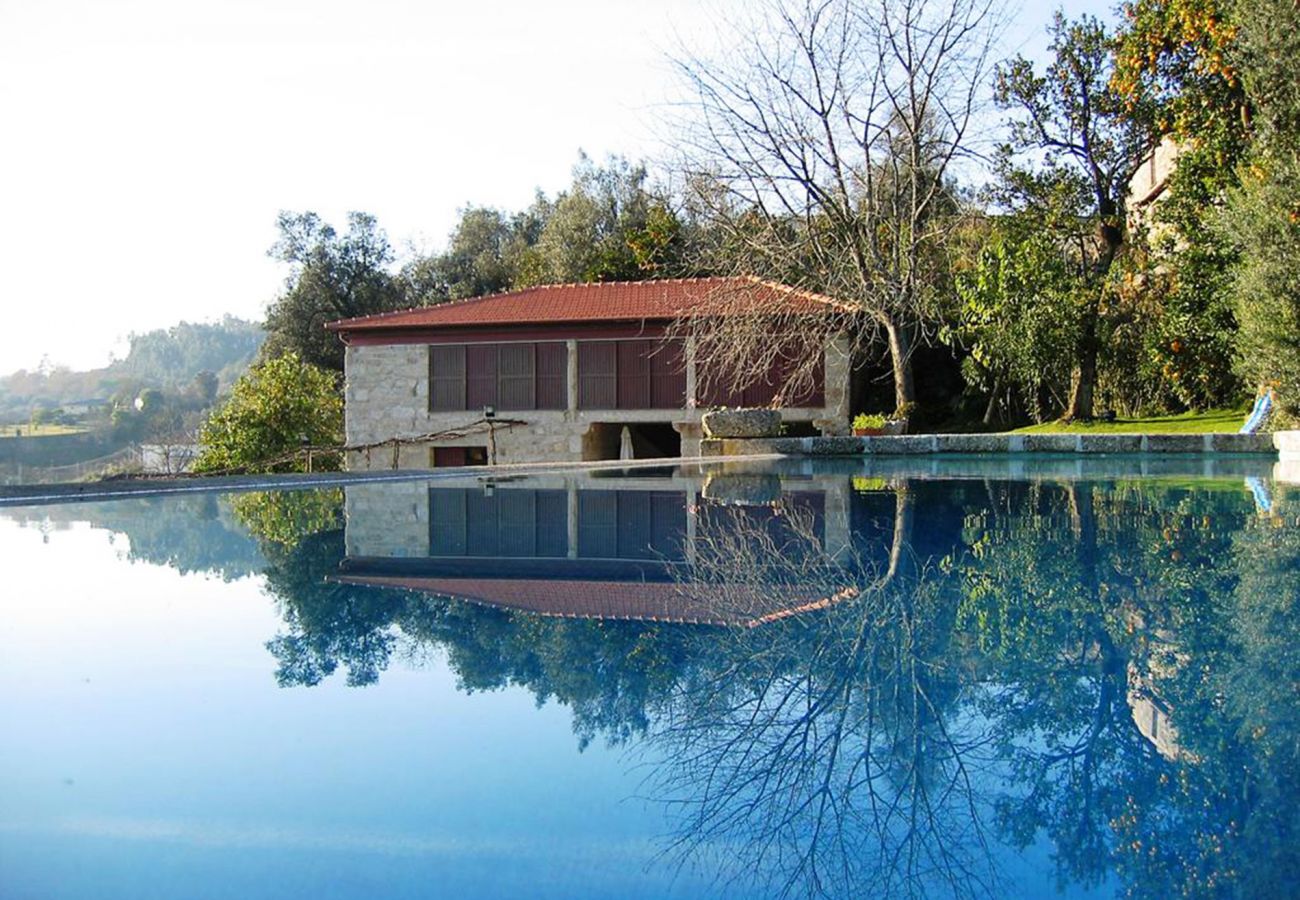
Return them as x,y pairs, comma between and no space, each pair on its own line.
634,525
762,391
597,524
668,376
552,375
480,376
553,522
716,388
447,522
517,521
634,374
446,377
515,378
448,456
597,375
668,524
483,534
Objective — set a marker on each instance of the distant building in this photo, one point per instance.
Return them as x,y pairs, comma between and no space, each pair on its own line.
1149,184
565,372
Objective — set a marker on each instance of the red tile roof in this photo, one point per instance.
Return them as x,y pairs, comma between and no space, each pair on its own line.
602,302
635,601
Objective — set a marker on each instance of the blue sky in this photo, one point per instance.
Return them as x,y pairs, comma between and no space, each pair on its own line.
149,144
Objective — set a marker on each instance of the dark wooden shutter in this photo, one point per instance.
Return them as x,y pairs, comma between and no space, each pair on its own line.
552,375
517,520
597,524
515,378
762,391
716,385
668,376
553,523
597,375
668,524
448,456
483,534
447,522
814,395
635,531
446,377
480,376
634,374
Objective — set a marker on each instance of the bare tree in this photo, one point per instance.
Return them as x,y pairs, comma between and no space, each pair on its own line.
821,152
828,758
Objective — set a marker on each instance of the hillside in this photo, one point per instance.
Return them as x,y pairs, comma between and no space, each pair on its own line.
164,359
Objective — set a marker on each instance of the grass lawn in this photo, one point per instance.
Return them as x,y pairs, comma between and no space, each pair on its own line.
1187,423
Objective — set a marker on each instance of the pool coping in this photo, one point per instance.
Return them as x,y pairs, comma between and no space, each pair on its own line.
1285,444
90,491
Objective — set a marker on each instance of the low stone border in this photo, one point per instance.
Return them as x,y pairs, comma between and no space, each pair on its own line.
1285,442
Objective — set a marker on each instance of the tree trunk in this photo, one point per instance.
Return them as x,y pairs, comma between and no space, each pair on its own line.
901,340
1085,374
1109,238
993,401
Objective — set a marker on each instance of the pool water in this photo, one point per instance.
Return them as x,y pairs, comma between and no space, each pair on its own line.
845,679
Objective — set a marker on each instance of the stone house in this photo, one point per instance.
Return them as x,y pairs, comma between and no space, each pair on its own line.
561,373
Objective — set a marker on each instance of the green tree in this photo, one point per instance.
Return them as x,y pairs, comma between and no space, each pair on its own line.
1073,149
273,409
487,252
608,226
1177,64
332,277
1262,216
1016,318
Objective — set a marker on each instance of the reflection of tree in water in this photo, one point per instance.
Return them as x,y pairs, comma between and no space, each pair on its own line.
826,755
190,533
1148,601
882,742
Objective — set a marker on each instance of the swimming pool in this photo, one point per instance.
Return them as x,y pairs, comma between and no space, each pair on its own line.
886,678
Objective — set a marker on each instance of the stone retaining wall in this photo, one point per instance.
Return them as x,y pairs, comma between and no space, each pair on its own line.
1286,442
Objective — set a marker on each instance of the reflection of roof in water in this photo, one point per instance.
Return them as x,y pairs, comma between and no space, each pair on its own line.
643,601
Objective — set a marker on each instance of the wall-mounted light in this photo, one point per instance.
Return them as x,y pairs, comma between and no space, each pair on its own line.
489,412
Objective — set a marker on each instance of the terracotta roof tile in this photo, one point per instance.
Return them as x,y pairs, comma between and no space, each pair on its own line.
636,601
604,301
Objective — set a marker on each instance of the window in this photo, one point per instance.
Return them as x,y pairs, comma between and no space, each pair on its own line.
645,374
514,376
719,392
517,523
440,457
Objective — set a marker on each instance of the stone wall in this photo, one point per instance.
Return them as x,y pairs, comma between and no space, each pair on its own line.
387,398
1090,444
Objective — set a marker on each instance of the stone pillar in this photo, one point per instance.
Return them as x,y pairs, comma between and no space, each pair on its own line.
692,524
837,537
690,372
571,376
837,368
572,513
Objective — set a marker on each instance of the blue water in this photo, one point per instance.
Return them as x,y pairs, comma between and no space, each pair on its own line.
849,679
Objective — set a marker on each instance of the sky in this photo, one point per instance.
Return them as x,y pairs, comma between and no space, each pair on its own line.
148,145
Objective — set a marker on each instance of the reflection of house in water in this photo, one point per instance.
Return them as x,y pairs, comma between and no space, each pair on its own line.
1152,717
567,545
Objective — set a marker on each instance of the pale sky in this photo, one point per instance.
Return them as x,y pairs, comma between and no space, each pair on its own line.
147,145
